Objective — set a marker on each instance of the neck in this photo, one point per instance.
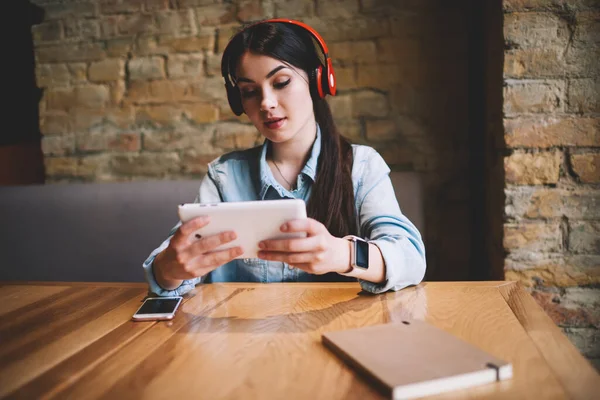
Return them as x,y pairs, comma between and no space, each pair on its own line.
295,152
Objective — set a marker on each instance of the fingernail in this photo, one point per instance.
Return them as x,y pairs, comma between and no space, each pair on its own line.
284,227
261,245
232,235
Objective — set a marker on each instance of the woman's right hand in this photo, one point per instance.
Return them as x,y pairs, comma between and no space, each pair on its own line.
186,258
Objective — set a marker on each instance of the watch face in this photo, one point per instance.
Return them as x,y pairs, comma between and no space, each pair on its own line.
362,254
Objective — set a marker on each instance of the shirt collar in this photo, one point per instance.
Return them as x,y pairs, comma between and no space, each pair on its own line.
310,168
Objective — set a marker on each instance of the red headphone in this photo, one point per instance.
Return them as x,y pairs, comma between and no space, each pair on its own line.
322,78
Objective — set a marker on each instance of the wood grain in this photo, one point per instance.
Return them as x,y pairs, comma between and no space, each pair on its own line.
257,341
578,377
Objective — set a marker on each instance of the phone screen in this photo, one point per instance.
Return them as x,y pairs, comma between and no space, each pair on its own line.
159,306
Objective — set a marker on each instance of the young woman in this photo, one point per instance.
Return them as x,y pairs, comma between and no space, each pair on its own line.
278,73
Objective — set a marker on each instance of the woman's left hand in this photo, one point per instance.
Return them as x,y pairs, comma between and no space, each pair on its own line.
318,253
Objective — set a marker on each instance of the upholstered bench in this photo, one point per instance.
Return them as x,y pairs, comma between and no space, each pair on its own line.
104,231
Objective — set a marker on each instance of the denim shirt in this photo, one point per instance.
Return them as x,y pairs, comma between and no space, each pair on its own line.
245,175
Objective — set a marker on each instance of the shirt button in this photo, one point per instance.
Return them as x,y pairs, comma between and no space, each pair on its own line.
246,260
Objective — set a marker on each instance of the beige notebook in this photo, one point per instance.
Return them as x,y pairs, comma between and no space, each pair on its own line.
414,359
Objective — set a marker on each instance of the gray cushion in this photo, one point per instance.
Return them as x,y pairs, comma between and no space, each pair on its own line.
104,231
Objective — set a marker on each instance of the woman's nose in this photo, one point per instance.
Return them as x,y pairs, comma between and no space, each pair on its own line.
269,100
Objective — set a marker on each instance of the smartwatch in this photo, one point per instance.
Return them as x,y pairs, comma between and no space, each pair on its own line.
359,254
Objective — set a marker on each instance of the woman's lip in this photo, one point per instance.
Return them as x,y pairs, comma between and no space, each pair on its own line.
275,123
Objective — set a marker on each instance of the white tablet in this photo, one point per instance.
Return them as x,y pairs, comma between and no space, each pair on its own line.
253,221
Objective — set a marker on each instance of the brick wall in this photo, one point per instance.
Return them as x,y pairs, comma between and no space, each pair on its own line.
552,166
132,90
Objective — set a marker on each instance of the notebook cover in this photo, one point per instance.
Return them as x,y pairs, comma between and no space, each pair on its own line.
414,359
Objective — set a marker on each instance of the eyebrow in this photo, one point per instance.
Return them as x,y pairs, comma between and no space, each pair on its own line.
270,74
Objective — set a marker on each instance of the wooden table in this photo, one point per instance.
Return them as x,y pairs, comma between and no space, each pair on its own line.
262,341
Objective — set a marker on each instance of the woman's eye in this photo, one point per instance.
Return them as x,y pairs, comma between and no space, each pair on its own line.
248,93
280,85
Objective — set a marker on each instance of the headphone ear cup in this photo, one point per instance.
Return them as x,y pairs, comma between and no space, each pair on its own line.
316,83
234,99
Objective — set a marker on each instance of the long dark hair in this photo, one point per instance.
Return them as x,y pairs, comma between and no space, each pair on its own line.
332,198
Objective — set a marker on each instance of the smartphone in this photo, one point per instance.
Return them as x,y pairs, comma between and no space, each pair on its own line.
157,308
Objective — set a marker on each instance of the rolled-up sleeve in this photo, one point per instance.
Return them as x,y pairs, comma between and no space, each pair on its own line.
208,193
382,223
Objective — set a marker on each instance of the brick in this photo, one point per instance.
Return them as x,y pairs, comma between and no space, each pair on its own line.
156,5
145,164
85,119
78,73
224,35
340,9
119,142
120,6
351,52
52,75
346,77
583,96
168,115
51,31
294,9
111,69
62,145
213,64
392,50
535,30
117,92
185,66
70,9
217,14
191,44
380,76
92,96
341,106
75,167
159,115
182,138
584,237
132,24
119,47
56,123
534,63
582,60
534,97
355,29
148,45
146,68
160,91
544,132
250,10
194,162
233,136
209,89
381,130
588,27
586,340
352,130
109,26
78,29
195,3
574,315
587,167
71,52
549,5
552,203
176,22
369,104
532,237
533,169
554,270
201,113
